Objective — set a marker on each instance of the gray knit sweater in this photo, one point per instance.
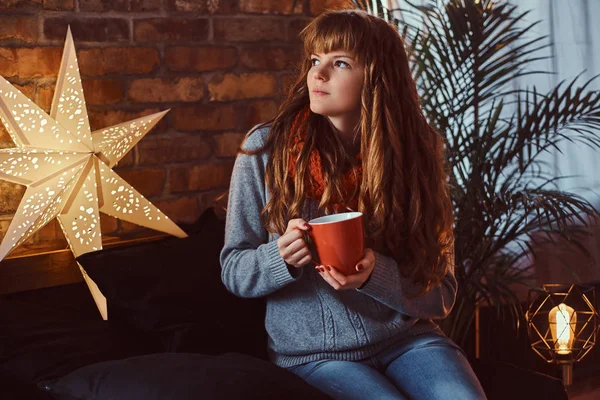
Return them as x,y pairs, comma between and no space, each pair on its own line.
306,319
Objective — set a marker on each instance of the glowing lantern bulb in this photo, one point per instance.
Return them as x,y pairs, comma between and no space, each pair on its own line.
563,320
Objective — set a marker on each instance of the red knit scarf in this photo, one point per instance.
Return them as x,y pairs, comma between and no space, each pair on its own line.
314,184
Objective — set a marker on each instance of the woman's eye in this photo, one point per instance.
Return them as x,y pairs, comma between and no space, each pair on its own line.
338,63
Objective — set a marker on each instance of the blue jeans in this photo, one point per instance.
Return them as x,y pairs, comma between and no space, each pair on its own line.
428,366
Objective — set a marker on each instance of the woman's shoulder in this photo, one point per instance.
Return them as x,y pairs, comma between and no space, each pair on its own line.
257,137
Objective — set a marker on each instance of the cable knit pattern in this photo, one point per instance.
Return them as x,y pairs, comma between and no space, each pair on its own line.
307,320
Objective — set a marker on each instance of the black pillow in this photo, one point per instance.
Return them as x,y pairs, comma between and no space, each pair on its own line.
173,289
183,376
47,333
14,388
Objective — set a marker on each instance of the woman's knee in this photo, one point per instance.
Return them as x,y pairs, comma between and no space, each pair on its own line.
347,380
436,370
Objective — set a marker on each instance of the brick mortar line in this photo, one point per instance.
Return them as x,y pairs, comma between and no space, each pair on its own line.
136,155
81,44
112,15
171,104
40,23
206,76
131,31
47,14
162,68
220,43
167,184
211,30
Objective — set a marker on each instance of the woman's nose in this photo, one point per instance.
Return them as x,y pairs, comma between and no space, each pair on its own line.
319,73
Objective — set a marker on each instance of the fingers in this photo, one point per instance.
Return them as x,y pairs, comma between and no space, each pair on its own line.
324,270
338,280
293,233
363,265
289,237
354,280
305,260
297,223
342,279
368,261
296,252
291,244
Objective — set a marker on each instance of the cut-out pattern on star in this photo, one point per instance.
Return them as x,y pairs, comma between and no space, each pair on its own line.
67,168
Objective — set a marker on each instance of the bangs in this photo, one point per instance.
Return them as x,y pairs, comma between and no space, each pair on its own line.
339,31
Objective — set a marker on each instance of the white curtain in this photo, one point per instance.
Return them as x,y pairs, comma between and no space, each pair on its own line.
574,33
573,30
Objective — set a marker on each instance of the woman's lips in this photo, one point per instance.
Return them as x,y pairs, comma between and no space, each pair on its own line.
319,93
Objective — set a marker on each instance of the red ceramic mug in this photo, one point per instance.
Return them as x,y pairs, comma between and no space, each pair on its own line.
337,240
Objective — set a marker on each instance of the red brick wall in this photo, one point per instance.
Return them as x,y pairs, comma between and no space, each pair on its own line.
221,66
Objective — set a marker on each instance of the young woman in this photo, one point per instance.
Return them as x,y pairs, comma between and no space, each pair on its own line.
350,136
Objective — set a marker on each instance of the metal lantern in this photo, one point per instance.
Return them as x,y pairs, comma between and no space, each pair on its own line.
562,324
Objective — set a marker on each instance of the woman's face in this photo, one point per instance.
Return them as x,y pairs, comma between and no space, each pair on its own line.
335,83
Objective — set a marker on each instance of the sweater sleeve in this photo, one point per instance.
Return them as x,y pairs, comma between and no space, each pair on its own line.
387,286
251,266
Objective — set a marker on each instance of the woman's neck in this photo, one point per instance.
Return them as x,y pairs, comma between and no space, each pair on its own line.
346,130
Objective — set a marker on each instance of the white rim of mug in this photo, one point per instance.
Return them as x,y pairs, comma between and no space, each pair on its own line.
324,219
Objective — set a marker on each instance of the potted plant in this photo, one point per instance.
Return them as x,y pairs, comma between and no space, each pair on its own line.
465,56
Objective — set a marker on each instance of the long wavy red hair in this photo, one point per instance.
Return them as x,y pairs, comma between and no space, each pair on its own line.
404,192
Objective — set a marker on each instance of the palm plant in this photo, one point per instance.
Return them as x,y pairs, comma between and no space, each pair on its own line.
465,56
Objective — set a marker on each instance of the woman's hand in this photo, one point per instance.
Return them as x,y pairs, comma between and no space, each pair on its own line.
339,281
292,247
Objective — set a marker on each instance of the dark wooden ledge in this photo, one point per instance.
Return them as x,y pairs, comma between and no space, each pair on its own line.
31,267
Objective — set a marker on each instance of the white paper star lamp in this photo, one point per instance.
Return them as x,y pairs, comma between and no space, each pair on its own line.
67,168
